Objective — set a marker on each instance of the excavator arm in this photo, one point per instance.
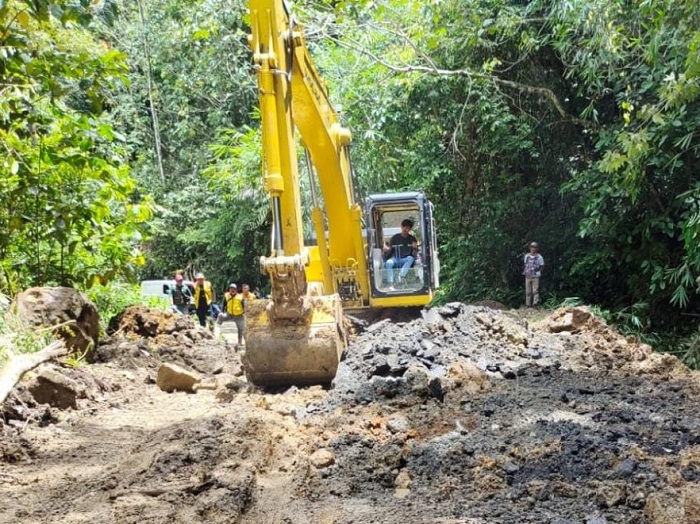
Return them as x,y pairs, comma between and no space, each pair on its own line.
294,97
296,337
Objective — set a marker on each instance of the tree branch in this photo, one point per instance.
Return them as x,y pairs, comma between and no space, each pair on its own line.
468,73
17,365
151,89
543,92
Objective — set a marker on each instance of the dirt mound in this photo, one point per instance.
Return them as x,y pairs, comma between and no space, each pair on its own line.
142,321
465,415
493,419
393,359
145,337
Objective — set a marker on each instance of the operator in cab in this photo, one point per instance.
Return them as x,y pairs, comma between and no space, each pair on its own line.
401,251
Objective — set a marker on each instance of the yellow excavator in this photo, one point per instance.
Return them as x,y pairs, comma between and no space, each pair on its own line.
297,337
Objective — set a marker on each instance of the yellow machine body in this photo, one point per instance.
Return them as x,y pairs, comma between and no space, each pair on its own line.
296,337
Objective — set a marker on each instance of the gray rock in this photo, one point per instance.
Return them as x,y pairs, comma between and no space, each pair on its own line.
203,360
532,353
511,468
387,387
417,379
625,468
393,361
432,316
427,345
398,424
431,353
452,309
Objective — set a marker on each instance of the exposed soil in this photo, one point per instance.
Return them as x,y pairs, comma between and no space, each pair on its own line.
466,415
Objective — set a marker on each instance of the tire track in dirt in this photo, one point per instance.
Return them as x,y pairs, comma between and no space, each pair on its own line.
82,457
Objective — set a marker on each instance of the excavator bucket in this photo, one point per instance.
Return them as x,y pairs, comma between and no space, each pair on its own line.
280,353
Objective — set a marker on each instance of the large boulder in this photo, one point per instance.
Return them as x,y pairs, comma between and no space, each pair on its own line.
50,306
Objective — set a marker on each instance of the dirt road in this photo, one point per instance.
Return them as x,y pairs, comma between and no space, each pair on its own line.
465,416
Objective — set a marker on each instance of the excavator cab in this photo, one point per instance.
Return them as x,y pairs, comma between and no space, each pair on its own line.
391,285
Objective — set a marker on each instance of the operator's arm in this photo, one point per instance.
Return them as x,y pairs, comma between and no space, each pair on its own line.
414,245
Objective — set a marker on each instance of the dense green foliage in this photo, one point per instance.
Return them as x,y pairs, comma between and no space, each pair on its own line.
573,123
640,195
459,114
211,215
67,211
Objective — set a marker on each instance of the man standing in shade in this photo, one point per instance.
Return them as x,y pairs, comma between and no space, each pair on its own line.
533,271
180,296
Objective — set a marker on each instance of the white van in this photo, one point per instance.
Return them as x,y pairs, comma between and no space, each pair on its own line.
160,291
156,288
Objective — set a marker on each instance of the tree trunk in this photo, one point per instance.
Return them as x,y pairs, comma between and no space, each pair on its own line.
151,88
18,365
